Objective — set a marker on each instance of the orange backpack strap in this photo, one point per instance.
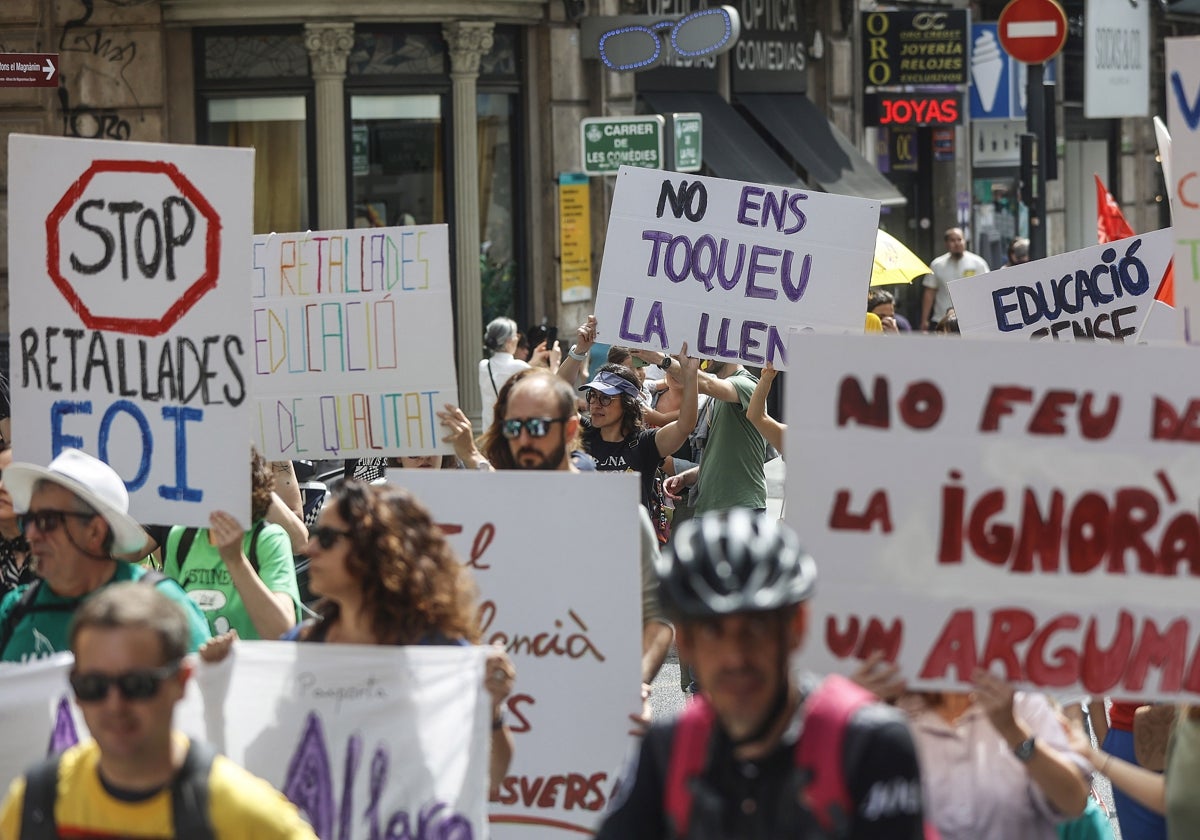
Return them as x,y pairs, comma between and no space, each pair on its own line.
689,750
819,749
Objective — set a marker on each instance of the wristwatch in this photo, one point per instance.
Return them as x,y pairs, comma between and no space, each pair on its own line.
1024,750
666,363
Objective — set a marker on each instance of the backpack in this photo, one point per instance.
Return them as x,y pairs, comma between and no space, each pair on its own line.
25,605
189,536
189,797
818,752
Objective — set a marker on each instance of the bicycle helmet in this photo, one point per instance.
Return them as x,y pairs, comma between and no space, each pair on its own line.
734,561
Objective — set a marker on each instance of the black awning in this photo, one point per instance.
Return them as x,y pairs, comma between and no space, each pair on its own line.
729,146
825,154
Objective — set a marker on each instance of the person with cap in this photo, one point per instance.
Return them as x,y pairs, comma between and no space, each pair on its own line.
760,753
137,776
614,432
75,515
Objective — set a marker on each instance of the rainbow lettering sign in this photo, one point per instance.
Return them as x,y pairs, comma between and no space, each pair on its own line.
351,349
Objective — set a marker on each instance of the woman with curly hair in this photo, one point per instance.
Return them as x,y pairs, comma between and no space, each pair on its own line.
387,576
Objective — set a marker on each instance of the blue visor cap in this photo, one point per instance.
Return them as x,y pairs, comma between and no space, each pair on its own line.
609,383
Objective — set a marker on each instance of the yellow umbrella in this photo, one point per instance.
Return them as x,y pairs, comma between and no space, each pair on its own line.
894,263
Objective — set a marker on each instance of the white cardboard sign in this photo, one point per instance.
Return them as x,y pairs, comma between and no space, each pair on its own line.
567,609
1183,120
127,290
730,267
1103,292
1020,508
353,342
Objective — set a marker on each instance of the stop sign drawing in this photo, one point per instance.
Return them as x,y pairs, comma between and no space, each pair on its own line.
132,246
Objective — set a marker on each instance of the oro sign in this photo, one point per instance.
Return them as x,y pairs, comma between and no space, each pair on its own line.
132,245
129,306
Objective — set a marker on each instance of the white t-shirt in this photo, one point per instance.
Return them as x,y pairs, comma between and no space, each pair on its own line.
503,365
945,270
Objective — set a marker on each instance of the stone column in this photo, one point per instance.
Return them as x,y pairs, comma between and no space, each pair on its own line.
468,42
329,46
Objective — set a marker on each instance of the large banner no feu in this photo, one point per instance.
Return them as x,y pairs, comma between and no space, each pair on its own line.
353,346
1103,293
367,741
128,322
1025,508
565,605
731,267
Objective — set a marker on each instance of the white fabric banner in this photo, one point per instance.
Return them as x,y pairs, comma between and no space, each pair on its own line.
367,741
1020,508
562,597
353,342
1103,293
130,335
731,267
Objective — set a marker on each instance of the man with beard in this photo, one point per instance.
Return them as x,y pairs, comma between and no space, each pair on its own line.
536,427
955,264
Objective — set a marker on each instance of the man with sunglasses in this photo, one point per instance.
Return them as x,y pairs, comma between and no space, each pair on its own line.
75,515
536,428
138,776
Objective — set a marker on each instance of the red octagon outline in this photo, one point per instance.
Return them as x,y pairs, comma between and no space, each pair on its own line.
200,287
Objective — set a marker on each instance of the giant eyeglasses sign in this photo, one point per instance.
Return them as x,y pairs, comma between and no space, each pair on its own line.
629,43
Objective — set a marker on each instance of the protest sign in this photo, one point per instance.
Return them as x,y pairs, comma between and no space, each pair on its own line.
127,292
1103,292
1183,119
353,345
367,741
1020,508
731,267
567,611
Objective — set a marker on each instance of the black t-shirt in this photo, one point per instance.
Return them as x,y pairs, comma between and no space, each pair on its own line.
636,453
750,800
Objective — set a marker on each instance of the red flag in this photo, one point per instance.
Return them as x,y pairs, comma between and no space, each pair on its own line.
1111,225
1110,221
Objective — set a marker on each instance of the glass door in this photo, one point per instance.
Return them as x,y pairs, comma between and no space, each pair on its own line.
396,158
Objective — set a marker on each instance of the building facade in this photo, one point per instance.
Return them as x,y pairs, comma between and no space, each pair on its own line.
384,112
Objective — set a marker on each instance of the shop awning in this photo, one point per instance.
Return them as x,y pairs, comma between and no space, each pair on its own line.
825,154
731,148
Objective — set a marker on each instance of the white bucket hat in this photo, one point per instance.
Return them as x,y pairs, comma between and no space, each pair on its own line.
93,481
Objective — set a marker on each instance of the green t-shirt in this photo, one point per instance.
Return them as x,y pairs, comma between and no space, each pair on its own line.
731,467
206,580
42,631
1092,824
1183,766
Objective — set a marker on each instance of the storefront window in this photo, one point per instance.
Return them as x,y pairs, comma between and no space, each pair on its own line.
397,151
276,128
416,51
498,263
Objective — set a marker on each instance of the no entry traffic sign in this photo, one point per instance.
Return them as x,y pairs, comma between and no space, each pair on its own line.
1033,31
28,70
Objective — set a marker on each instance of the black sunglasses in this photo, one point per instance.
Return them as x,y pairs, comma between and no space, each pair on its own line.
133,685
48,520
537,427
326,536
